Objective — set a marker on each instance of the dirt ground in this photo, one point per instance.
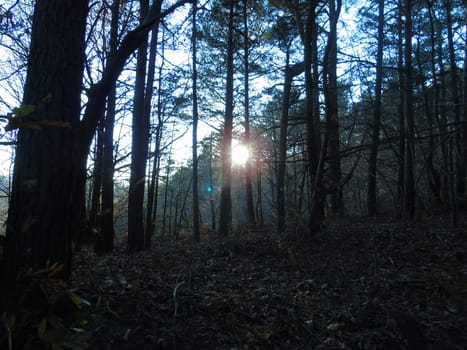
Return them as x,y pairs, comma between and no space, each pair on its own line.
360,284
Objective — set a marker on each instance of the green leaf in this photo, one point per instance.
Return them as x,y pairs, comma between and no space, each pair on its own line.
24,111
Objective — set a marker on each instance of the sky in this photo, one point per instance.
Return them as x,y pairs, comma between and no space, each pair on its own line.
182,147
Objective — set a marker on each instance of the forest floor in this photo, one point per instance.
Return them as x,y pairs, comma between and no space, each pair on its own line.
361,284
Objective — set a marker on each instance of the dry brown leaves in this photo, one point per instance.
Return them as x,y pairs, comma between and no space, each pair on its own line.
368,285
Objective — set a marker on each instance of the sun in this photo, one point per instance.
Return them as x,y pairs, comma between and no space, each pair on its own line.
240,154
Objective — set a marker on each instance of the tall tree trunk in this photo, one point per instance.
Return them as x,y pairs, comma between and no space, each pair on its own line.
402,128
147,120
331,101
464,119
409,178
442,122
138,159
153,190
137,238
166,197
455,86
281,164
431,102
372,200
106,238
95,209
43,171
248,172
225,220
290,72
309,35
40,215
107,233
211,182
259,193
196,211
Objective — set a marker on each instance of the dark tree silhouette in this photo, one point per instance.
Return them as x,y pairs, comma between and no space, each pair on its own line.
40,216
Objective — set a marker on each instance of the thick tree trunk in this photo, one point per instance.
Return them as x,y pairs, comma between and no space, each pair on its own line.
40,216
47,199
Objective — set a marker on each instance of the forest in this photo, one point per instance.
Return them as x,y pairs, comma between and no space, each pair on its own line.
233,174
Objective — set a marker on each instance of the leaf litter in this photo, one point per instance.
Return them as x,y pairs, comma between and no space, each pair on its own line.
369,284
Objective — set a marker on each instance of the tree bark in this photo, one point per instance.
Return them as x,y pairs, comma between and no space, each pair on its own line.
402,128
248,170
455,86
409,179
225,220
464,119
94,210
46,184
332,101
40,216
153,190
372,200
196,211
104,242
138,149
290,72
313,133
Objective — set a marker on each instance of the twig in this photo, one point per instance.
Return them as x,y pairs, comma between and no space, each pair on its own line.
175,297
107,306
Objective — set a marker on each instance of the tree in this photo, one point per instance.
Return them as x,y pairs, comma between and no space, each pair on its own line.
316,151
48,188
409,178
106,238
196,212
246,64
225,219
145,72
140,130
376,125
290,72
40,211
331,105
459,142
